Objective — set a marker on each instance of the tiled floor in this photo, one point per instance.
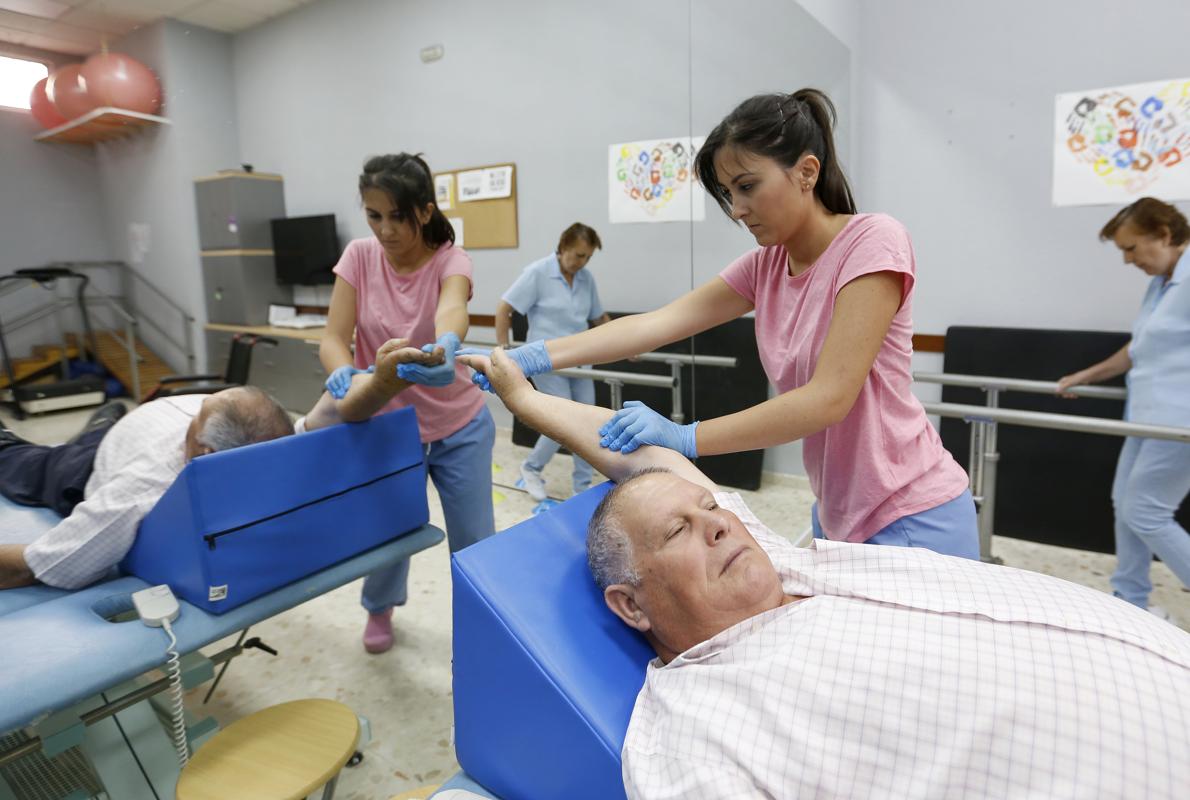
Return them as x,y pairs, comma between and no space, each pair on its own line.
406,693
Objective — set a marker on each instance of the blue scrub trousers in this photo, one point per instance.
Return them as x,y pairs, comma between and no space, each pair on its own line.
1152,480
461,468
580,390
950,529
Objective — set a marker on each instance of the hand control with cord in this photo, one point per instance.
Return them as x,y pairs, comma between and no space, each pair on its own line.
157,607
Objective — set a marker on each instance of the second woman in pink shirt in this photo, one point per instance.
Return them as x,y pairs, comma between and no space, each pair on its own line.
409,281
832,291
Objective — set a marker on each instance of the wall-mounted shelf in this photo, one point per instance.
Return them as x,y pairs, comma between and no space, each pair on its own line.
100,125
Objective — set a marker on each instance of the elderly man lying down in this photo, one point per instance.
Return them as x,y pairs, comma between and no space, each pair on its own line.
105,480
852,670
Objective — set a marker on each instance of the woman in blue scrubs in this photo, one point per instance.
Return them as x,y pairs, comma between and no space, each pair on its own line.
559,297
1153,475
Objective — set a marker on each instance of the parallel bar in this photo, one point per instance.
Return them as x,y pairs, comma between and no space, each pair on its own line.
627,378
1018,385
654,357
1062,422
991,459
688,360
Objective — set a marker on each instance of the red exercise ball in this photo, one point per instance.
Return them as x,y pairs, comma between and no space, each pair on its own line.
43,110
114,79
68,92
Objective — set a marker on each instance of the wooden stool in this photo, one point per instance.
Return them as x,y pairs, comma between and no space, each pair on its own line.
283,752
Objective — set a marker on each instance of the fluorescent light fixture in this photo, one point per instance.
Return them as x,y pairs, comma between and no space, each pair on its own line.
46,9
17,78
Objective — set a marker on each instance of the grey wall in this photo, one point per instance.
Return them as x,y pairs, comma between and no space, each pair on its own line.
547,86
50,210
148,179
956,140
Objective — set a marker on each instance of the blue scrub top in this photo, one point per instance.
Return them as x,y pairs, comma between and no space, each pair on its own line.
554,307
1159,381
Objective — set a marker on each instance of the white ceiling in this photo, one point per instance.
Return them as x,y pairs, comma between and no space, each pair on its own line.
79,27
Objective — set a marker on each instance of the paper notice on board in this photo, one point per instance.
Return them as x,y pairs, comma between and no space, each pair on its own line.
443,191
457,224
471,185
497,182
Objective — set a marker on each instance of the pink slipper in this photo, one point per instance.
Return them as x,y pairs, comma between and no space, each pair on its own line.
378,633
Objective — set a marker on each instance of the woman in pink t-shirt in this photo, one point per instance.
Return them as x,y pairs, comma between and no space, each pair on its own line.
832,291
409,281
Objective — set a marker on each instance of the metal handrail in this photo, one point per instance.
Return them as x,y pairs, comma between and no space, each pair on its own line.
628,378
187,347
1061,422
617,380
127,268
984,456
986,382
688,360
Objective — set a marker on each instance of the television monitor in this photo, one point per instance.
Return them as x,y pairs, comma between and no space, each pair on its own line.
305,249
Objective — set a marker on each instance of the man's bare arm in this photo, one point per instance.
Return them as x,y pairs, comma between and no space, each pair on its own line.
14,571
370,391
575,425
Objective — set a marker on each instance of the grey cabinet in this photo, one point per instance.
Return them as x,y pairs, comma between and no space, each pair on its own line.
218,349
235,210
290,372
239,286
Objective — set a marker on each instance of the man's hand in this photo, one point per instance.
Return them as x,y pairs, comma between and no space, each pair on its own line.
437,376
531,359
1066,382
395,352
14,571
502,373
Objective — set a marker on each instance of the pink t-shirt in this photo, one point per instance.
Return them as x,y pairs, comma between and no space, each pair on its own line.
884,461
392,306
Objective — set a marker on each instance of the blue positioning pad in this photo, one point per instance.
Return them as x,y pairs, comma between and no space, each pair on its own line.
240,523
545,676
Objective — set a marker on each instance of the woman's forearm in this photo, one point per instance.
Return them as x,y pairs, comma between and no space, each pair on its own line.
1116,364
333,352
620,338
709,305
503,323
453,319
786,418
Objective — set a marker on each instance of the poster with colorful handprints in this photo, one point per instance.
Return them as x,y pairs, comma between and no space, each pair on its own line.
653,181
1115,145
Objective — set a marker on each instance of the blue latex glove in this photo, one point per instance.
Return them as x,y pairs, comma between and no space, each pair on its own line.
439,376
532,358
636,424
340,380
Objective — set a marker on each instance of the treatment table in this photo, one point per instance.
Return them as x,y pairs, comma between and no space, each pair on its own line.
77,711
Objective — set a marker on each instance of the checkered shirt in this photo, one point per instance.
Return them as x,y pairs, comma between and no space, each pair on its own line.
911,674
136,462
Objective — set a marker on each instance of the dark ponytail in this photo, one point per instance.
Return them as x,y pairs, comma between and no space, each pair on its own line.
408,181
783,127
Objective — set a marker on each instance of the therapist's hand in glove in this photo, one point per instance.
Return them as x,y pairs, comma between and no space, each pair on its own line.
531,359
636,424
340,380
396,352
439,376
501,375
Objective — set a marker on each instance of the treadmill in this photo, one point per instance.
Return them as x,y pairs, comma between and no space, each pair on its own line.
28,397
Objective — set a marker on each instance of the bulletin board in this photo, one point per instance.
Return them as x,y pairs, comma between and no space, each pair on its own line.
481,204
